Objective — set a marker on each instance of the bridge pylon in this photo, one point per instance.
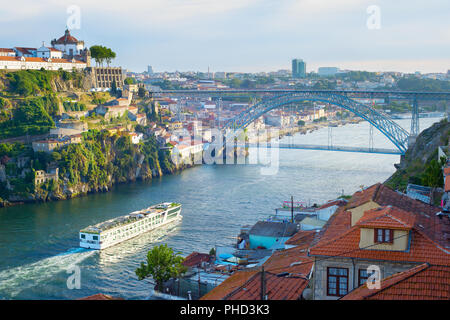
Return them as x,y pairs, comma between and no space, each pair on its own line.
414,123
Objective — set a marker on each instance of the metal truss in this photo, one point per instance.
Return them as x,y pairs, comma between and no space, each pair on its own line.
382,122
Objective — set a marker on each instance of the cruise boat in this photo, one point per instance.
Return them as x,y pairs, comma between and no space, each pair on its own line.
111,232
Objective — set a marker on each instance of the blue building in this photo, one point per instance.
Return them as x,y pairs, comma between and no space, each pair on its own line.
271,235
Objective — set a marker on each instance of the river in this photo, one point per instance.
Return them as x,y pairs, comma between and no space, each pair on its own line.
39,242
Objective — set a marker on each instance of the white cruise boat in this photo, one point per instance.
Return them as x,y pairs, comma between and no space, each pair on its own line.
111,232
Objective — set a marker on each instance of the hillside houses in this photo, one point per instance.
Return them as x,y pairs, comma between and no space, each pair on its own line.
50,144
381,233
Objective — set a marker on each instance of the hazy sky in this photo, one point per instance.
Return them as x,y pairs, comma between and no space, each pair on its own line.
244,35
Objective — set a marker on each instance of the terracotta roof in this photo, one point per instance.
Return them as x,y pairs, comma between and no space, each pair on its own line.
293,260
100,296
338,203
446,171
302,238
423,282
195,259
387,217
447,184
236,280
277,288
421,249
287,275
66,38
6,50
384,196
338,223
9,58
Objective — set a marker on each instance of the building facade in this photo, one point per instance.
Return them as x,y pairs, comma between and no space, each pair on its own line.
298,68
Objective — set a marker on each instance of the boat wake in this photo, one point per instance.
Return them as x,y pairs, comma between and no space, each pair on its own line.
14,280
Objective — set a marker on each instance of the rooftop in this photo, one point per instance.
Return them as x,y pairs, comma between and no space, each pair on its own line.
273,229
346,244
423,282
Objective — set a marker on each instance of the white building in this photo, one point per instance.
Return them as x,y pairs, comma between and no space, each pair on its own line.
23,63
7,52
46,52
68,44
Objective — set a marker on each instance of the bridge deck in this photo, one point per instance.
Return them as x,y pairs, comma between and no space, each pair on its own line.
323,148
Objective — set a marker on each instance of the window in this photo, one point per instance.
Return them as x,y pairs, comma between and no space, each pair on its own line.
83,236
363,276
337,281
95,237
384,236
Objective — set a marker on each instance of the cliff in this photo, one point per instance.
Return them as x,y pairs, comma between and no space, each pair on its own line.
94,165
419,156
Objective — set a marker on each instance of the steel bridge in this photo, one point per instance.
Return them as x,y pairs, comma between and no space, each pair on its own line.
276,98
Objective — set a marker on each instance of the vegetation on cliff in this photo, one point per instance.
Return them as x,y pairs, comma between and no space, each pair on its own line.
29,100
421,165
95,164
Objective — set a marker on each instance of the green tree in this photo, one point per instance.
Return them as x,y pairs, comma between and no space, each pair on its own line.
141,92
432,175
102,54
129,80
162,264
114,87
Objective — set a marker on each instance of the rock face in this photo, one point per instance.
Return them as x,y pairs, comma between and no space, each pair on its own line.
418,155
427,143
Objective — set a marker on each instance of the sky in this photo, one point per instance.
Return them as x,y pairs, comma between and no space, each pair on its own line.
243,35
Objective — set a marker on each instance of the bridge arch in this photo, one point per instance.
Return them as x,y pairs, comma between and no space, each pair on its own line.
382,122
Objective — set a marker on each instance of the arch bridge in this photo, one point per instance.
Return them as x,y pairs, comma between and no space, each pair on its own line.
343,98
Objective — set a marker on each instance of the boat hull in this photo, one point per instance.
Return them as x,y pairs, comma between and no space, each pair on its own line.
123,233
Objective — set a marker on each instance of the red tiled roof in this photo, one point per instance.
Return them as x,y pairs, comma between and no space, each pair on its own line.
302,238
423,282
6,50
293,260
339,203
195,259
287,275
446,171
384,196
277,287
447,184
9,58
233,282
100,296
66,38
421,249
338,223
387,217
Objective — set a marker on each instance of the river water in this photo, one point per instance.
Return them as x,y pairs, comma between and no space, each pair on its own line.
39,242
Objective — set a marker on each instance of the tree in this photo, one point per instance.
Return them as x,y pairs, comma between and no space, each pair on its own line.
141,92
162,264
432,175
101,54
129,80
114,87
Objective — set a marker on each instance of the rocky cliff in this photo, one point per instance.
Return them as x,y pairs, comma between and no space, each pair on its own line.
425,149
